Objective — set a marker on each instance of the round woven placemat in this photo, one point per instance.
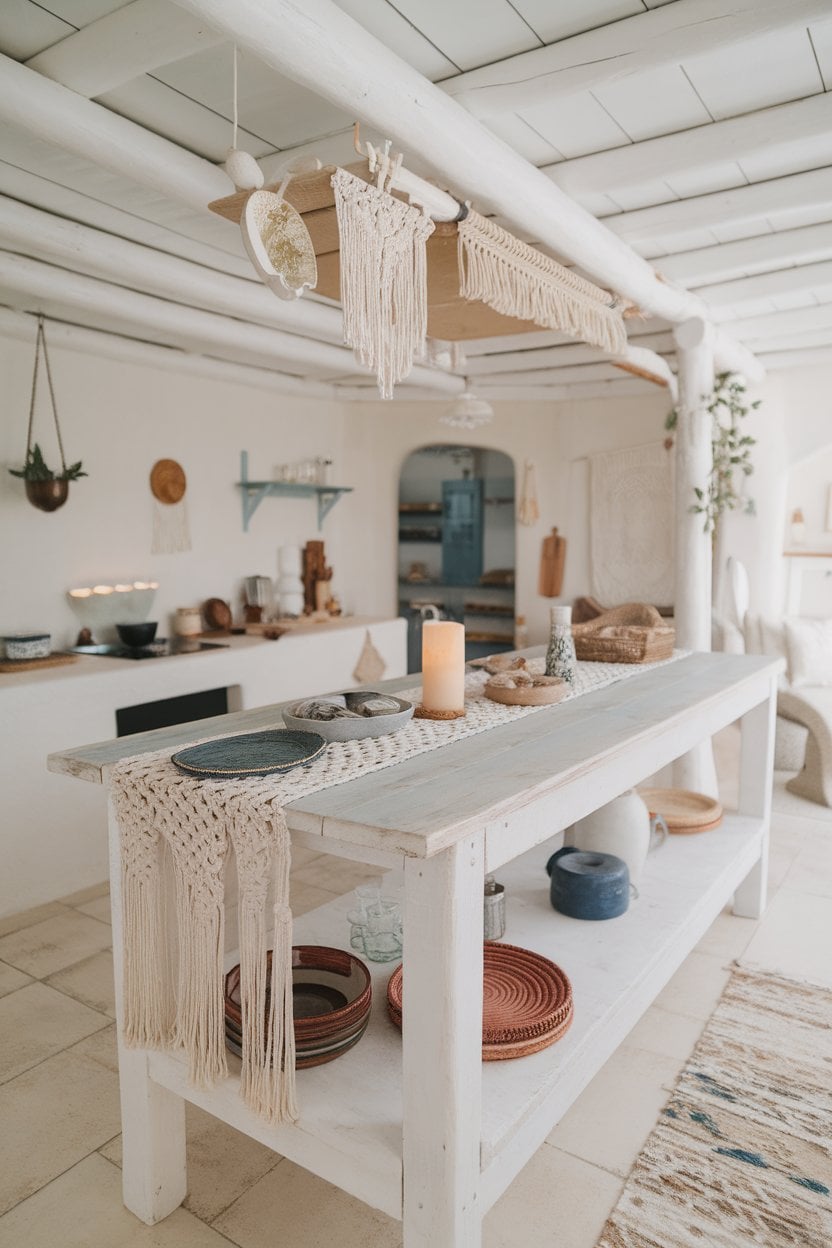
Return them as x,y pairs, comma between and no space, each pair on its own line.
527,1001
682,809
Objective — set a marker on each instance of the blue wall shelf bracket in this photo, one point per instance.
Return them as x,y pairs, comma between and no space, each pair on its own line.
253,493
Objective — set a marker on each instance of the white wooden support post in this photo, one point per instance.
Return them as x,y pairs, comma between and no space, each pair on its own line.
694,458
756,773
442,1047
154,1177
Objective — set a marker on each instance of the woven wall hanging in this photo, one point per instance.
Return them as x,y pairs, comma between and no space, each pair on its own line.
171,532
516,280
383,277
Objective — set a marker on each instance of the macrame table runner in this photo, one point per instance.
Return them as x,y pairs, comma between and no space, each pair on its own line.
197,822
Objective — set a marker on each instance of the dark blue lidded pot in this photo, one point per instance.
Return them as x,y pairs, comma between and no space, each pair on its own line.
586,885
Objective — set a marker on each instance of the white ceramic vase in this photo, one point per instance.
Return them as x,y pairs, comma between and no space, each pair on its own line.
624,828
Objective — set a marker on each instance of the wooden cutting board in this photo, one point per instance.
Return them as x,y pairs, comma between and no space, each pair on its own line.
32,665
552,563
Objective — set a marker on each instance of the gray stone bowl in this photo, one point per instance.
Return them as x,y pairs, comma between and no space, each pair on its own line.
351,729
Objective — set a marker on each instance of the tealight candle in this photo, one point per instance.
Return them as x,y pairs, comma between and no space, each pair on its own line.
443,667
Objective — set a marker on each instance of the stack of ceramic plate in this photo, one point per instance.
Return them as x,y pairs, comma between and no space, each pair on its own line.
527,1002
332,998
684,812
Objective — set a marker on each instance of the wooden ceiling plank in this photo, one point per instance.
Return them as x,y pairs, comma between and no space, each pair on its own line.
597,57
762,253
811,279
133,40
780,128
784,324
742,205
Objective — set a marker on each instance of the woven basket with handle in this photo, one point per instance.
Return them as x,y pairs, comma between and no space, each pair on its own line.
632,633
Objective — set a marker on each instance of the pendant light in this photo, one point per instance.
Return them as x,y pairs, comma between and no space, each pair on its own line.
467,411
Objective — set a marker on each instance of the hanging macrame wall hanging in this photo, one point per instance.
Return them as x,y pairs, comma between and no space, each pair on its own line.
383,277
171,533
516,280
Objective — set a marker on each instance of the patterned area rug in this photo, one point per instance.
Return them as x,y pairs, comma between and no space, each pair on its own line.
742,1155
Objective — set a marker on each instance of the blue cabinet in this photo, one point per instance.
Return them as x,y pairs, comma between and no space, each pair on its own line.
462,531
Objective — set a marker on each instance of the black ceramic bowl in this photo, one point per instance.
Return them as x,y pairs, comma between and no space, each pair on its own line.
137,634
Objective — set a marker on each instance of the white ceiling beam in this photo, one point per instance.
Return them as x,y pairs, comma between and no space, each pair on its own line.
799,340
122,45
764,253
784,324
63,201
737,298
633,388
316,44
559,358
33,286
739,206
22,326
662,36
77,247
603,371
775,131
805,357
65,119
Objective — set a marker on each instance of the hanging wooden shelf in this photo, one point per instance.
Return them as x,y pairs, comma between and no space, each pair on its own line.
255,491
450,317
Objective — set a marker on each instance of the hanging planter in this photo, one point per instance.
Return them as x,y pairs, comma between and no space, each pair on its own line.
45,489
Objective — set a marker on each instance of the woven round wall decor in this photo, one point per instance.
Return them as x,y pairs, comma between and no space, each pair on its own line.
168,483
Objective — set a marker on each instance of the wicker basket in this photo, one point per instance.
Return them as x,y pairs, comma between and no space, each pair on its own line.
625,644
632,633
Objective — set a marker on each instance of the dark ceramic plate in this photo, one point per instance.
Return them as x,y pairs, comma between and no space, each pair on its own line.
326,1052
252,754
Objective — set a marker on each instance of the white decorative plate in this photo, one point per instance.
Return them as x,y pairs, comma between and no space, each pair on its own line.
278,245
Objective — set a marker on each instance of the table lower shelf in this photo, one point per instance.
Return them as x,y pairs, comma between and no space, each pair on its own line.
351,1110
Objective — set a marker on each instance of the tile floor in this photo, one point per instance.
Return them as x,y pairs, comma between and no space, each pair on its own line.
60,1148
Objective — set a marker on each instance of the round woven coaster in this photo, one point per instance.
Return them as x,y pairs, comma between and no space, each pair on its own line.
422,712
527,1001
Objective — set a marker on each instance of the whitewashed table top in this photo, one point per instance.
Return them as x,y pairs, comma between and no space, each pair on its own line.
424,803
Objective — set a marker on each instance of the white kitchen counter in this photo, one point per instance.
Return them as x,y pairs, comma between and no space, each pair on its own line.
53,838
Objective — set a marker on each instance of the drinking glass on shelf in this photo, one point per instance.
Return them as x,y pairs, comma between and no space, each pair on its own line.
376,925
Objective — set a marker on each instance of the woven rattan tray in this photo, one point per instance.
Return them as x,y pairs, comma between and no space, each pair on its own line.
683,811
527,1001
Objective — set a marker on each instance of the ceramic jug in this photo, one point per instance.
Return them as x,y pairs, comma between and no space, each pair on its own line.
623,827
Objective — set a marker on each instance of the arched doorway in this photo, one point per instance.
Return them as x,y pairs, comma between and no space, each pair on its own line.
457,545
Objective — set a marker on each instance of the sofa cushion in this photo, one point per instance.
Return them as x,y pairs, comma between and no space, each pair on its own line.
809,646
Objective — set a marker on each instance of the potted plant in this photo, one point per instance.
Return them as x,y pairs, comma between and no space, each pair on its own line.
44,488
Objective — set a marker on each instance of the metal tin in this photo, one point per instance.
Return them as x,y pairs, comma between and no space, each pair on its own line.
494,909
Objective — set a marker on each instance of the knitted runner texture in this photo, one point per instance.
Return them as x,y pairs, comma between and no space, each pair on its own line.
173,996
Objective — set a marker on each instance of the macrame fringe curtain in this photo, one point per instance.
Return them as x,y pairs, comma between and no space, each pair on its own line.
383,278
512,278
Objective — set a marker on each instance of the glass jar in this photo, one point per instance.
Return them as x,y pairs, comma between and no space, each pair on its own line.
560,656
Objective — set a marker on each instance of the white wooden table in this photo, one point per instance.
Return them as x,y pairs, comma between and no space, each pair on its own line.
416,1125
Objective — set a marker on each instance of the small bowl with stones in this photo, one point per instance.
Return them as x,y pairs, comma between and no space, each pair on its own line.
350,716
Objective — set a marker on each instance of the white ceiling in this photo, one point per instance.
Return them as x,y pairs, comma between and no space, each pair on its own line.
681,158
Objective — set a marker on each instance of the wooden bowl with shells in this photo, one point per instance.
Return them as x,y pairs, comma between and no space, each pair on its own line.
519,687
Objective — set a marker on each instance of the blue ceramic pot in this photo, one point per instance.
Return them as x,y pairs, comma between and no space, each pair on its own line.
585,885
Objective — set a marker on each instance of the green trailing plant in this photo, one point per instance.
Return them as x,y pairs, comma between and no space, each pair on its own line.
732,464
36,468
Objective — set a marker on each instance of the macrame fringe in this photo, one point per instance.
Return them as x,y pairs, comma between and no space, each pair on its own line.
267,1079
200,1014
383,278
171,531
512,278
149,1012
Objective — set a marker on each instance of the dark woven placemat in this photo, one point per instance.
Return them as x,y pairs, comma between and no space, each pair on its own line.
250,754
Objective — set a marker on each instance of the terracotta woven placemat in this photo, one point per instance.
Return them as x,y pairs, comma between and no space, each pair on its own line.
527,1001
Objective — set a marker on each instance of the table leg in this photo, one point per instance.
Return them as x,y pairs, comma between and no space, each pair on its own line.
442,1047
154,1178
756,776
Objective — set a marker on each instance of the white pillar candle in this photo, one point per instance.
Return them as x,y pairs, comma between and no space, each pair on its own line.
443,666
